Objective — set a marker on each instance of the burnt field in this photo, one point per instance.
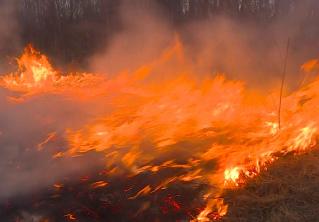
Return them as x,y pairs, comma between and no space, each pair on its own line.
287,191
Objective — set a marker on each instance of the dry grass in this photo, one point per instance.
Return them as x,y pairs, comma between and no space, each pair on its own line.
288,191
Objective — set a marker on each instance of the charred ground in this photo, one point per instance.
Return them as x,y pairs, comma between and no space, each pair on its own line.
287,191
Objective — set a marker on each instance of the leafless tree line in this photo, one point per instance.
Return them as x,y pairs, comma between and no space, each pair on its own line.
73,29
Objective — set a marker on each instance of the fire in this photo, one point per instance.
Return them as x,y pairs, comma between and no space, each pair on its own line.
34,72
58,186
304,139
36,76
50,137
35,68
274,127
310,66
232,175
181,123
99,184
70,217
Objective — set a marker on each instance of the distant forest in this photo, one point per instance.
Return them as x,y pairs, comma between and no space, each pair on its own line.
73,29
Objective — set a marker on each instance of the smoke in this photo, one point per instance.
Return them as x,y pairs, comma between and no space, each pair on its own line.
251,50
144,34
25,167
9,32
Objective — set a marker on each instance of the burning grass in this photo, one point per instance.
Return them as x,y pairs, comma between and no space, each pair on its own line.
181,147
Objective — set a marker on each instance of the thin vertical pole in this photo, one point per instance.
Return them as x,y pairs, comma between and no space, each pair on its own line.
282,83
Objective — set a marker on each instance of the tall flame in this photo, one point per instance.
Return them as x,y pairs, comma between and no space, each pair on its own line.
36,76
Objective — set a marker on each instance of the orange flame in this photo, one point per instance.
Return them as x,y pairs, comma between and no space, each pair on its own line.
199,120
36,76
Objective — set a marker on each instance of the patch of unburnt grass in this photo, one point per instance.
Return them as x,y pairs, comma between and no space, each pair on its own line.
287,191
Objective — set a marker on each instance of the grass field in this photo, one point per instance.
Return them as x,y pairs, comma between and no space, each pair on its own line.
288,191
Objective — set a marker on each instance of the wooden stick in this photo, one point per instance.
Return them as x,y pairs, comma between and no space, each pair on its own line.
282,83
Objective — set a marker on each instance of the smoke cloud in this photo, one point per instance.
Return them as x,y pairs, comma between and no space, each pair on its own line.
243,49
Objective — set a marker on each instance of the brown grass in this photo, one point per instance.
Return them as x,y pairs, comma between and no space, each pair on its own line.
288,191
